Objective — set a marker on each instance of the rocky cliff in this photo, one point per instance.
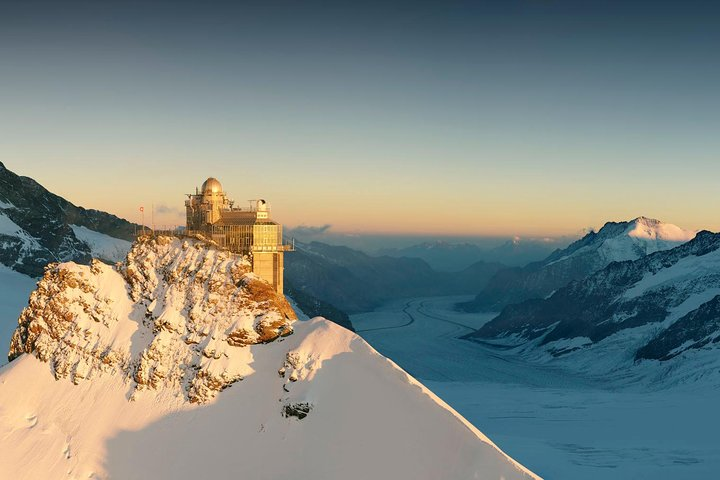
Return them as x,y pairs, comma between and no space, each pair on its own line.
174,315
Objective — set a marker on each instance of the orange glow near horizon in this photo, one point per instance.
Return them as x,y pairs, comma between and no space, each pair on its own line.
399,219
428,202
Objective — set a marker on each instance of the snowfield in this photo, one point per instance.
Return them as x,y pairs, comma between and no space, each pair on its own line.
369,419
179,364
101,245
560,417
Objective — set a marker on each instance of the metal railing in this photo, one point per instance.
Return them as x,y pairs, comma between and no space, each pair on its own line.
182,232
168,230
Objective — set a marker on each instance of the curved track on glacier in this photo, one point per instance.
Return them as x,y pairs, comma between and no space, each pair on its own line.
404,310
419,311
423,335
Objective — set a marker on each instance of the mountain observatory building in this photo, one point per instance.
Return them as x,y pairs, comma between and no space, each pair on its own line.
248,231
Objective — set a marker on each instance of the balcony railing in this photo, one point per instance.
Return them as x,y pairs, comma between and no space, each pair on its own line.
284,247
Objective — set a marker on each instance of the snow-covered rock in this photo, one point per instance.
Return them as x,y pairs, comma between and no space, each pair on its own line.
119,372
614,242
196,304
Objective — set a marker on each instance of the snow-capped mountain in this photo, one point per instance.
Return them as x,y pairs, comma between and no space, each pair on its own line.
614,242
38,227
662,307
181,364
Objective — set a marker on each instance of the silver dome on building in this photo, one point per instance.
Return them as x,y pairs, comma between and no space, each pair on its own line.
211,185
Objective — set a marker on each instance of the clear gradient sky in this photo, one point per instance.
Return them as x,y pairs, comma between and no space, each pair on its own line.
534,117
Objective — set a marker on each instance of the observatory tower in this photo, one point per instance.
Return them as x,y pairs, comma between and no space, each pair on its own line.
248,231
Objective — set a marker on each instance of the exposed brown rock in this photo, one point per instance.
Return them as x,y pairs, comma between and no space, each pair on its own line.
192,304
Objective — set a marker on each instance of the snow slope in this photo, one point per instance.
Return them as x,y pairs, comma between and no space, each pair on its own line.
182,364
101,245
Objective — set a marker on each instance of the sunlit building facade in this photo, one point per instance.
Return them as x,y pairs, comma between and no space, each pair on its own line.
248,231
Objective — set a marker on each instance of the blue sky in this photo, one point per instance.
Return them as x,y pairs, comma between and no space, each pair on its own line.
461,118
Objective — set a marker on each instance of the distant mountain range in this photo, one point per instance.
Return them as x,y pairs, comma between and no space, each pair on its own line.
454,257
658,307
615,241
356,282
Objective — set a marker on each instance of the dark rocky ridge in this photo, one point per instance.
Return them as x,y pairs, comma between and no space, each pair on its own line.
46,219
695,330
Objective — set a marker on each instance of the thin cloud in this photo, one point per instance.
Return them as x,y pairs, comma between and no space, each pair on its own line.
164,209
310,230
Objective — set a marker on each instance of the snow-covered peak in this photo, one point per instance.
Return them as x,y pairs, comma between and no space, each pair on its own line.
642,236
651,229
621,241
614,242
